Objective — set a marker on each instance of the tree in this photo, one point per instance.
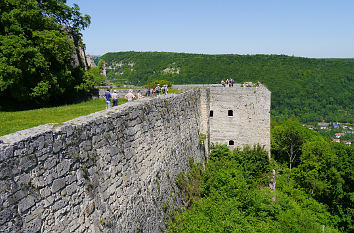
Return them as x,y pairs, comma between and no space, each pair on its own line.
287,140
317,171
35,51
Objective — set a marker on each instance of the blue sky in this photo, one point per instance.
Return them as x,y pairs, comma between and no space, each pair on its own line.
312,28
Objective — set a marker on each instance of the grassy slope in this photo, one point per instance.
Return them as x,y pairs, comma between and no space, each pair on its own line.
11,122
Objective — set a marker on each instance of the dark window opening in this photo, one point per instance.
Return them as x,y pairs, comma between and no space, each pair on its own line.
231,143
230,113
211,113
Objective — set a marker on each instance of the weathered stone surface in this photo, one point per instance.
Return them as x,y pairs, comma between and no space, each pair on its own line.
63,167
5,215
33,226
57,146
58,184
26,203
107,172
27,162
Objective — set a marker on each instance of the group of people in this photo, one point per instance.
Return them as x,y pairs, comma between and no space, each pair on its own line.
108,96
157,90
229,82
130,96
114,97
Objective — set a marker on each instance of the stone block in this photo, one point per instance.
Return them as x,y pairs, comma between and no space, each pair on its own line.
6,152
45,192
63,167
26,203
27,162
57,145
50,162
86,146
5,215
58,184
70,189
59,205
33,226
17,196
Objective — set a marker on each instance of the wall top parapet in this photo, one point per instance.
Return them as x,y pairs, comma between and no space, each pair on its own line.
237,86
36,131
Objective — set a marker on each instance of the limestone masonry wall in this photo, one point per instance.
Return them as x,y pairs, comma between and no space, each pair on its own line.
111,171
115,170
241,116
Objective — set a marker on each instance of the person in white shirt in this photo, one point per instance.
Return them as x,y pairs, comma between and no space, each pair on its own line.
115,98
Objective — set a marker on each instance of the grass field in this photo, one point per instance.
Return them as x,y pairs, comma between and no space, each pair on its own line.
11,122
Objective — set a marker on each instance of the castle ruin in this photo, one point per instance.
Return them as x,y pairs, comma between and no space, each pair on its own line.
115,170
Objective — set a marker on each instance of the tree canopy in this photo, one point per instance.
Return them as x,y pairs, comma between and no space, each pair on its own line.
231,193
37,40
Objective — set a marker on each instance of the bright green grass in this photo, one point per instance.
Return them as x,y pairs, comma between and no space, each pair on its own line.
11,122
174,91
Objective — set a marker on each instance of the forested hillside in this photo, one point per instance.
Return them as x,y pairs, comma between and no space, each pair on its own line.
310,89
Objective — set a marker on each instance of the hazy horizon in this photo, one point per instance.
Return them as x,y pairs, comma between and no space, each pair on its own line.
313,29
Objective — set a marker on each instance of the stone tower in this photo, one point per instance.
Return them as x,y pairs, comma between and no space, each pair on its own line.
240,115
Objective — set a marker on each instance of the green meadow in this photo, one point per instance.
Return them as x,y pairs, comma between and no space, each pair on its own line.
11,122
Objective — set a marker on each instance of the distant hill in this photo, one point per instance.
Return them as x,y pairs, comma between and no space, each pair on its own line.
310,89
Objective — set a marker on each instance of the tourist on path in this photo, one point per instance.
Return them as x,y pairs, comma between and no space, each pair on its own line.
115,98
130,96
148,92
139,94
158,89
223,83
107,96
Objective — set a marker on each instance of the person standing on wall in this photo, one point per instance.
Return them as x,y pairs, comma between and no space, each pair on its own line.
158,89
115,98
130,96
139,94
107,96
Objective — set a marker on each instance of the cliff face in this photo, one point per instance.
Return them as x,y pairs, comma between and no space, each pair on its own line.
78,56
90,61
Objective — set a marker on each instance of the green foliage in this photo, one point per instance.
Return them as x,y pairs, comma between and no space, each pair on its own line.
35,51
154,83
287,140
202,138
233,202
100,65
323,170
310,89
189,184
93,77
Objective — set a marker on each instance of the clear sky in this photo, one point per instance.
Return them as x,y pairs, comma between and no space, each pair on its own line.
306,28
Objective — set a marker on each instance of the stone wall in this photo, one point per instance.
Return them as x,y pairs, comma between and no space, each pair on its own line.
250,106
111,171
249,123
121,92
115,170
